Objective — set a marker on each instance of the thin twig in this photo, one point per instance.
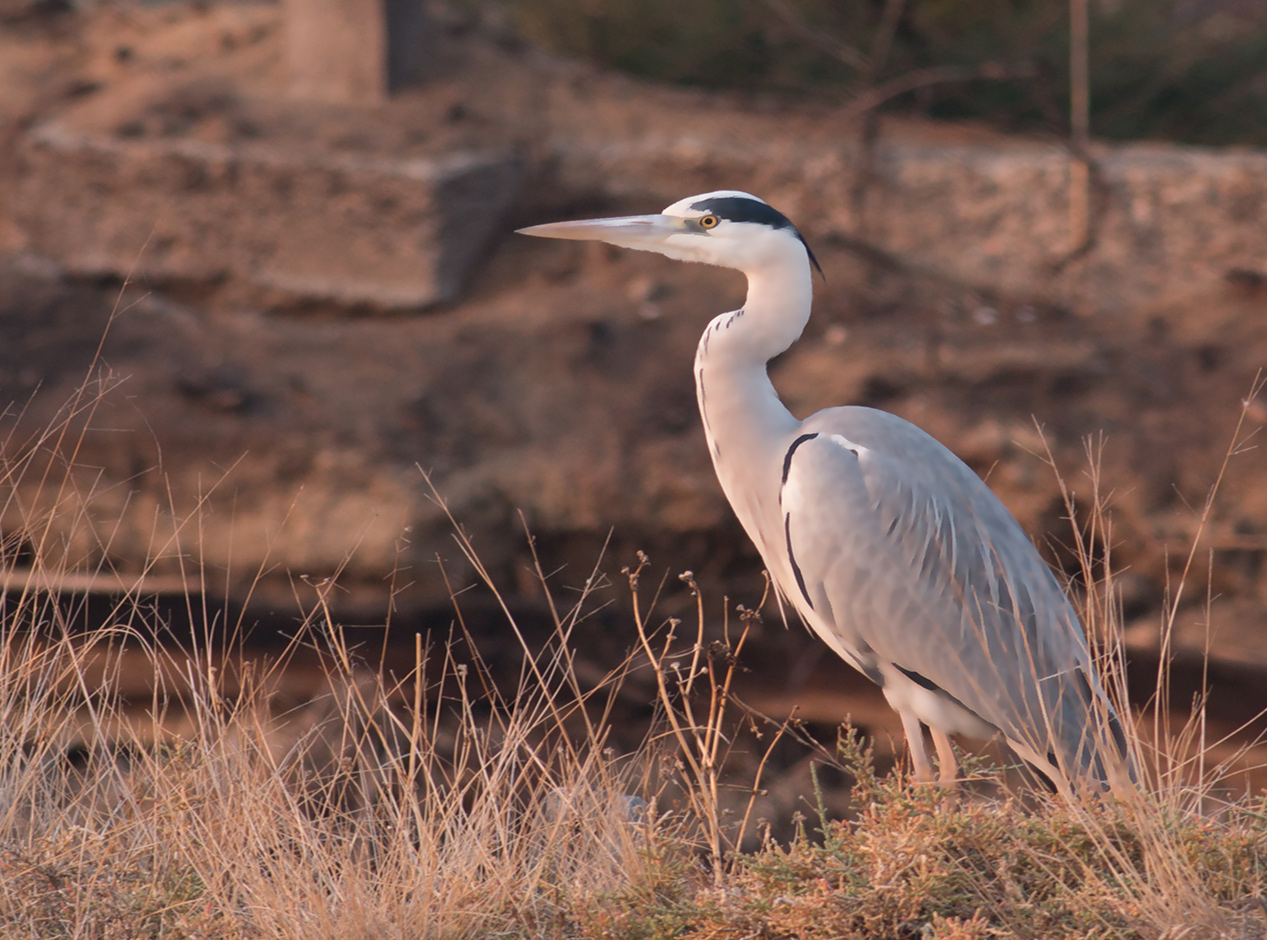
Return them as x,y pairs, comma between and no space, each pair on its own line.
1079,126
890,19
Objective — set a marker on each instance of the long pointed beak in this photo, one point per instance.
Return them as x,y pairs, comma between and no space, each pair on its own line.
631,231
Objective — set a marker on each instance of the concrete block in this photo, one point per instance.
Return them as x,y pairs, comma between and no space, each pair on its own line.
363,230
353,51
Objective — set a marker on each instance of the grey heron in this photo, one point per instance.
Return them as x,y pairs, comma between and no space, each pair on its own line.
889,546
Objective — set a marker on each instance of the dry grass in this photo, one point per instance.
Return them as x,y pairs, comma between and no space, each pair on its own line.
435,804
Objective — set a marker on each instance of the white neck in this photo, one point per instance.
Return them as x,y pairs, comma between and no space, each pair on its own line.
772,318
743,417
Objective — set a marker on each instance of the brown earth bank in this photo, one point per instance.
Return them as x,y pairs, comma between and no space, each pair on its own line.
271,443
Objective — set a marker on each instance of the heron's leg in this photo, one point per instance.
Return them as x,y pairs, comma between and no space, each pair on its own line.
948,765
915,743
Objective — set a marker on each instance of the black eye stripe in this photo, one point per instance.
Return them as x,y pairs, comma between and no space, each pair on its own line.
740,209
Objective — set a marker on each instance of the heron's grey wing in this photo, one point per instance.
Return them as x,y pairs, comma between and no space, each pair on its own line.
899,547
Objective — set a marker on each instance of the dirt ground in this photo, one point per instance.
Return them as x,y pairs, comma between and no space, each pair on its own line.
561,385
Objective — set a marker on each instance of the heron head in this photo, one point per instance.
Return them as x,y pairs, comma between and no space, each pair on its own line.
726,228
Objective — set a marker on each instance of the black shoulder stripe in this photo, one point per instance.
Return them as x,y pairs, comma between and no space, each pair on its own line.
796,569
787,458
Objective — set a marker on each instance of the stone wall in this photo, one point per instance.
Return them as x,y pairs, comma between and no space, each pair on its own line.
1165,219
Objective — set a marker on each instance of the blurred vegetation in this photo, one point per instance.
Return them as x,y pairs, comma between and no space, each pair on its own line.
1184,70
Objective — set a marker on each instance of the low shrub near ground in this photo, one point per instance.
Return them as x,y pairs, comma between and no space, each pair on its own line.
449,809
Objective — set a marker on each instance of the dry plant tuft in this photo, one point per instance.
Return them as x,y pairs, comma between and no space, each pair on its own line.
430,804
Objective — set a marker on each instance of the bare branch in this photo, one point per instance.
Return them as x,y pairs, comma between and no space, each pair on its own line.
838,50
938,75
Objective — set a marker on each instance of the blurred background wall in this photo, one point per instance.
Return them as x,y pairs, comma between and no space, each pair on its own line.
258,286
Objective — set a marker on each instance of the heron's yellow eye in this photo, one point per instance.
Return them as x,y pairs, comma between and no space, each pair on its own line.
708,221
